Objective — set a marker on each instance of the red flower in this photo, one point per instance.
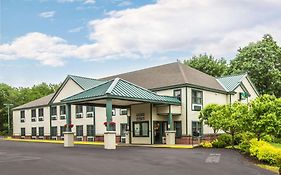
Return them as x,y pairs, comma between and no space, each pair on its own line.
70,125
110,123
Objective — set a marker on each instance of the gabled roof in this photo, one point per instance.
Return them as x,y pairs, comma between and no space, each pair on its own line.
124,90
231,82
169,75
39,102
84,82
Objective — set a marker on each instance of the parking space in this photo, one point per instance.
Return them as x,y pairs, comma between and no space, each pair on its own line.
45,159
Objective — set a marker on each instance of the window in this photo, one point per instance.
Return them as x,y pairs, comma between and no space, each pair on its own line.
54,131
123,128
90,111
123,111
33,131
33,115
197,129
90,130
62,112
177,93
41,131
79,109
177,125
41,114
22,131
140,129
79,130
197,100
113,112
22,116
62,130
54,113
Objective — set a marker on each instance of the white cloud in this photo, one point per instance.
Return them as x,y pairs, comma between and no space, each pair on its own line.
217,27
71,1
125,3
89,2
48,50
48,14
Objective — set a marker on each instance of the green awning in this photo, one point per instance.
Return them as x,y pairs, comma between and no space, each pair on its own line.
122,90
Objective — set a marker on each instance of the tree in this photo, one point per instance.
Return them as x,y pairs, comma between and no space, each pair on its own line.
208,65
262,118
207,116
231,118
262,61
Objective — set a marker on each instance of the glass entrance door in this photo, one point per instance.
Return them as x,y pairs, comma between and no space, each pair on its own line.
159,128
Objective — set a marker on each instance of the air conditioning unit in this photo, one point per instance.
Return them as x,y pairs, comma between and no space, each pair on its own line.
54,138
62,138
79,115
33,119
123,112
41,137
90,139
62,117
33,137
54,117
196,107
90,114
79,138
41,118
22,120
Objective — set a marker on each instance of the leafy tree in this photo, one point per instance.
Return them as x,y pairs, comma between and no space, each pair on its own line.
208,64
231,118
262,61
262,118
207,116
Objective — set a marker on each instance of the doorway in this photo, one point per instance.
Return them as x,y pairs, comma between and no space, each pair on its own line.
159,128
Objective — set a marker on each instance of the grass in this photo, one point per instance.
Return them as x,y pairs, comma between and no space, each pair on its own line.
268,167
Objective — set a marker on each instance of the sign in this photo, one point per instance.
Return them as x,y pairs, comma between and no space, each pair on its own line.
140,116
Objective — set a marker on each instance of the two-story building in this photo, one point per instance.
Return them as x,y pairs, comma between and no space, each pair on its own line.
147,103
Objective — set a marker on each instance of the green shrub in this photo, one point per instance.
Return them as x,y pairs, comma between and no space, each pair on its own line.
244,145
206,144
267,138
222,141
265,152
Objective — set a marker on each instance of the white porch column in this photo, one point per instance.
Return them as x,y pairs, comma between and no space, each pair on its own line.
171,133
109,135
68,135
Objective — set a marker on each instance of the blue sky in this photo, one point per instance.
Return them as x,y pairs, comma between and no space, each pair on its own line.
44,40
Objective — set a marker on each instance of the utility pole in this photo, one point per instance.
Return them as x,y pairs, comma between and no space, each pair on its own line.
8,106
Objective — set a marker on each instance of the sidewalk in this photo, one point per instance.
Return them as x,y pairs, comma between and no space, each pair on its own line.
101,143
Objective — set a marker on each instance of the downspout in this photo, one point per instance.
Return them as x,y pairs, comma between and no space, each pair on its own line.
151,125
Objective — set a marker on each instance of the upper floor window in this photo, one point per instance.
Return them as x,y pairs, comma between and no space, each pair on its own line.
177,93
113,112
33,115
41,114
62,112
90,108
54,113
22,116
197,100
79,109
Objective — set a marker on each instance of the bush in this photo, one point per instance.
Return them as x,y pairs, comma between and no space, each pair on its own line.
244,145
222,141
265,152
206,144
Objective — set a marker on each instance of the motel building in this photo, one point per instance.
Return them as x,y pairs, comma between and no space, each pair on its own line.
157,105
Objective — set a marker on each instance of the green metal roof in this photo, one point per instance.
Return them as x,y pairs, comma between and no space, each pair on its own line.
85,83
124,90
231,82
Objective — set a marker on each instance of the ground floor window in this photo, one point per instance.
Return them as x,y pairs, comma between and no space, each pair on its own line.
197,129
54,131
79,130
140,129
90,130
41,131
33,131
62,129
123,128
22,131
177,125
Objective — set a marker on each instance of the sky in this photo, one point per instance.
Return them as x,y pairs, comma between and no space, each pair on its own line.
45,40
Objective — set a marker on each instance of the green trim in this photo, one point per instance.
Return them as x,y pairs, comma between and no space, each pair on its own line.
108,114
190,86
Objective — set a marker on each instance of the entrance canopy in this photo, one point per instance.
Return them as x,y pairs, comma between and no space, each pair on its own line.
122,93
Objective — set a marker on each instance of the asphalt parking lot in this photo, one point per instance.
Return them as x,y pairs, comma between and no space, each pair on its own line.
52,159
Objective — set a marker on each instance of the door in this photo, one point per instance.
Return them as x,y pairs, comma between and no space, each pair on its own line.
159,128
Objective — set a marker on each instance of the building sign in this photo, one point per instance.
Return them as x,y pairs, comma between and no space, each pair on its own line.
140,116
